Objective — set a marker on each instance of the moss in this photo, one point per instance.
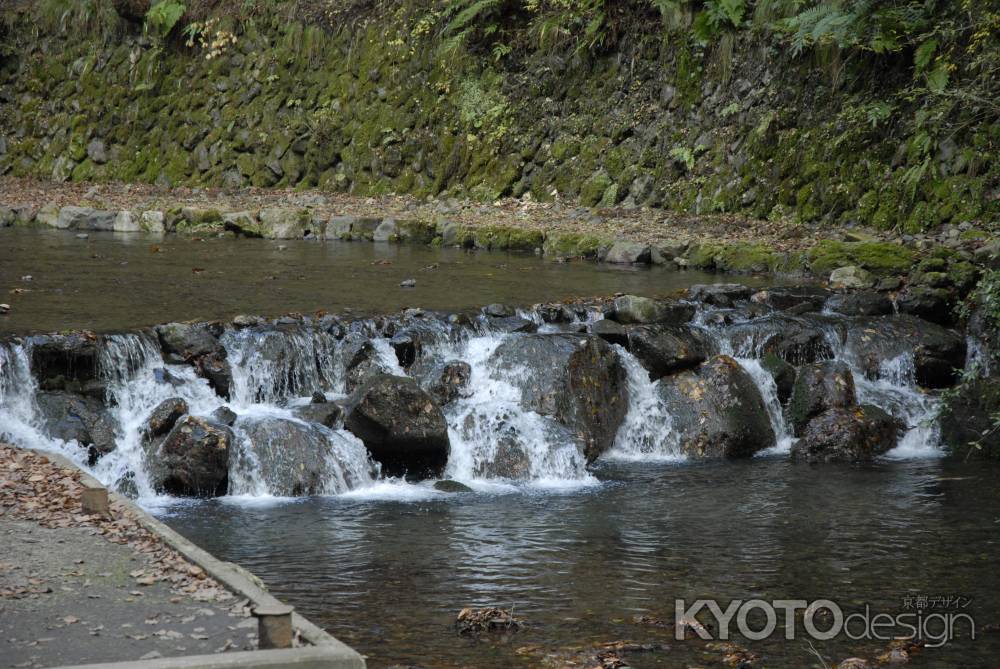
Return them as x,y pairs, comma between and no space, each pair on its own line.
572,245
594,188
525,240
881,258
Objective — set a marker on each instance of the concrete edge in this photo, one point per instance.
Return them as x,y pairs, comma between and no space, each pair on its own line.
329,649
300,658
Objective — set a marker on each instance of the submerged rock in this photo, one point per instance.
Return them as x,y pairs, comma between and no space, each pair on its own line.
717,410
719,294
448,485
818,387
860,303
447,381
664,349
296,459
328,414
192,460
855,434
577,379
400,424
82,419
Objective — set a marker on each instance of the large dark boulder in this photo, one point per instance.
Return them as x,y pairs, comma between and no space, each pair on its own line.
192,459
64,362
794,339
968,424
632,309
165,415
665,349
938,353
197,344
818,387
74,418
296,458
717,410
400,424
855,434
363,361
929,303
577,379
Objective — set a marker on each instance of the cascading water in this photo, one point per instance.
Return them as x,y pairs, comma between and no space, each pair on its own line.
494,439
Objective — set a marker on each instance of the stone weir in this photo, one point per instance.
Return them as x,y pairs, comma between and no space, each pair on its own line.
322,405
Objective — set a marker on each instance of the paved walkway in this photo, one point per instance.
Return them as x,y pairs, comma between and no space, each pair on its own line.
76,589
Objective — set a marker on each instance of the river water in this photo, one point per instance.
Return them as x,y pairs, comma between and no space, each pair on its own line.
577,550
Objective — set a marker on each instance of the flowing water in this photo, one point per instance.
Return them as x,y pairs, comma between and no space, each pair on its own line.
577,550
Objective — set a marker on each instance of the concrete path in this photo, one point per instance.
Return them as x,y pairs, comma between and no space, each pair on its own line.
81,589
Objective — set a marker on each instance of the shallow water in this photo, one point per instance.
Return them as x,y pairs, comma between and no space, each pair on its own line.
387,571
113,281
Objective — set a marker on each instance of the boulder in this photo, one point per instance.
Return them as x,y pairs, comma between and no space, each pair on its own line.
82,419
192,459
63,362
719,294
794,339
818,387
224,415
968,426
938,354
363,361
446,382
931,304
283,223
447,485
85,218
631,309
802,299
387,231
498,310
97,152
851,277
717,410
400,424
667,349
328,414
610,331
860,303
165,415
855,434
510,324
623,252
125,221
578,380
297,458
183,342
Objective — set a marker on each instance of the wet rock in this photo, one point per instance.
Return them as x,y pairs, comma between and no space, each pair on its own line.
183,342
801,298
855,434
967,420
511,324
215,368
363,363
556,313
446,382
298,459
163,417
247,321
400,424
318,397
610,331
577,379
666,349
930,304
851,277
818,387
192,460
860,303
794,339
85,218
938,354
719,294
448,485
328,414
164,375
783,374
628,253
82,419
471,622
631,309
225,416
498,310
717,410
63,362
408,283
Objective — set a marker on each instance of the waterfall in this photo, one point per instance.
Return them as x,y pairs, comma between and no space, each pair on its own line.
273,365
647,432
894,389
769,393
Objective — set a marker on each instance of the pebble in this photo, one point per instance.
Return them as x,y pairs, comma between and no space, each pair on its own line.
408,283
83,235
4,308
282,247
27,277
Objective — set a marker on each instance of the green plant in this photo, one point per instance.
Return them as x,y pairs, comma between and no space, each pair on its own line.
163,15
